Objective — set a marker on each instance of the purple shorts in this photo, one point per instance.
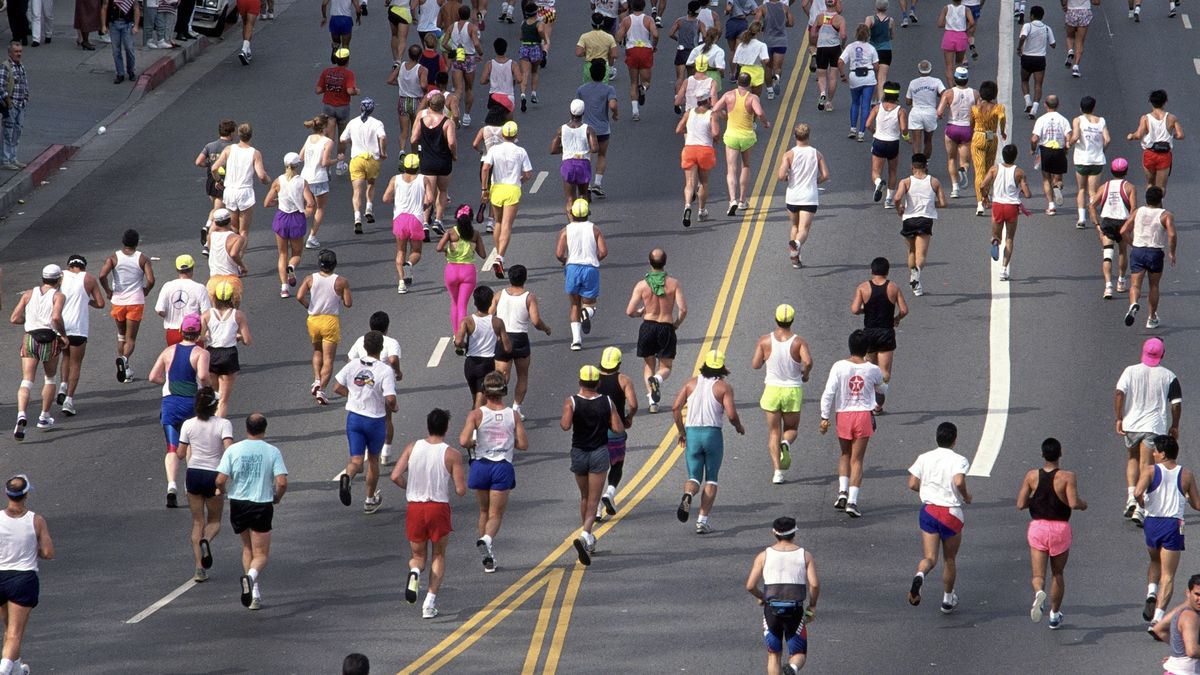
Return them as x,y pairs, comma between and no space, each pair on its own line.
958,133
289,225
531,53
576,171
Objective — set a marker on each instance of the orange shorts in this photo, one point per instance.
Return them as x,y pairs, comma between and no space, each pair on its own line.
128,312
702,156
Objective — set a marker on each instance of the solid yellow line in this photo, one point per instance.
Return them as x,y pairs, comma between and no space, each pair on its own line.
564,620
543,622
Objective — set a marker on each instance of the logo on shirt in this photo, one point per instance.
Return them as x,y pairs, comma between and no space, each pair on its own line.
857,384
364,378
179,299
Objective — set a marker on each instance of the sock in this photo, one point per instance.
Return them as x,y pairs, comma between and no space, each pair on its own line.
62,388
1129,493
635,107
246,45
430,599
6,666
919,575
700,520
843,483
70,400
487,540
599,179
535,93
786,445
912,274
576,331
172,487
1028,101
948,597
1158,615
853,496
1082,214
1035,108
370,208
415,571
253,574
357,216
254,593
387,449
1151,589
918,274
888,197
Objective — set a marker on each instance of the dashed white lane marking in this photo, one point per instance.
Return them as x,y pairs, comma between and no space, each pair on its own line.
1187,22
436,357
1196,65
166,599
537,182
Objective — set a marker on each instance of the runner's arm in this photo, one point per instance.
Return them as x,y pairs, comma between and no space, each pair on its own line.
455,464
1025,491
18,313
1142,129
677,408
759,357
344,291
568,408
754,581
148,270
680,306
814,584
960,482
1168,221
93,290
400,471
45,545
1073,499
856,305
633,309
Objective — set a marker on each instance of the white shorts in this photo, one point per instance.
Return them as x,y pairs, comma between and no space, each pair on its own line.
924,119
238,199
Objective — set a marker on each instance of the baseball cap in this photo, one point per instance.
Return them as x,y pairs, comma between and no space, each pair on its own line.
509,129
701,63
51,271
504,100
961,73
1119,164
77,260
223,291
292,159
411,162
1152,351
577,107
715,359
184,262
190,323
785,313
580,208
610,358
342,53
589,374
222,216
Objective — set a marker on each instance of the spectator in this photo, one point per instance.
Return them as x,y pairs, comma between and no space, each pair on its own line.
123,19
41,14
14,95
183,21
18,21
87,21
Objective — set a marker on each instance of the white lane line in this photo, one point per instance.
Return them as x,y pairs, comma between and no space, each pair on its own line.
166,599
436,357
999,366
1196,65
537,182
1187,22
338,476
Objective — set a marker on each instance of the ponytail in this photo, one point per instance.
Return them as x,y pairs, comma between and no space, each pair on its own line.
465,219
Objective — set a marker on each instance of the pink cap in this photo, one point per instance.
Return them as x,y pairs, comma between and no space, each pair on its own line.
1119,164
1152,351
191,324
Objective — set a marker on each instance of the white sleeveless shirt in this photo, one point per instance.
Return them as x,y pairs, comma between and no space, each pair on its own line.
781,369
18,543
75,306
428,480
513,310
325,298
703,409
802,179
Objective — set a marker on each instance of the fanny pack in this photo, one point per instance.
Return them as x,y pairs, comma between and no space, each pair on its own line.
861,72
1160,147
782,607
43,336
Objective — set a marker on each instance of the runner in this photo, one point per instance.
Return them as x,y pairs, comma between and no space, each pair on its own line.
290,225
803,168
400,17
597,43
599,101
27,538
490,434
502,76
714,59
742,108
703,83
776,18
619,389
410,79
940,477
369,385
428,12
740,12
1146,394
180,297
1118,199
249,11
1031,47
827,35
433,60
959,101
213,187
975,7
922,98
888,122
699,126
590,416
342,15
427,471
575,141
224,327
236,168
883,31
461,244
988,120
917,201
753,58
390,355
580,249
852,390
252,473
535,45
1164,491
1077,16
956,23
1089,138
203,440
318,155
708,398
329,293
658,301
609,11
882,305
336,85
80,290
40,309
1179,627
518,309
406,191
225,263
181,369
686,33
436,144
462,40
1157,130
639,34
788,364
132,278
1048,144
505,167
1050,494
1004,184
480,337
1152,229
859,66
788,595
368,148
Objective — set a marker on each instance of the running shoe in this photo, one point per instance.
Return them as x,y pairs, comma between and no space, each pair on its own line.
1056,619
322,399
687,216
581,548
466,120
637,117
1148,608
1108,291
1080,225
312,242
685,508
948,606
316,386
994,249
1070,58
733,205
62,394
1121,281
68,407
408,275
821,101
785,455
200,576
410,589
1139,518
172,499
344,489
918,289
576,346
954,191
429,612
255,604
372,504
438,227
204,250
1173,12
979,209
1039,603
524,106
122,368
904,22
794,253
777,479
1058,195
1151,322
641,94
586,319
1131,315
789,669
1004,273
654,384
861,136
47,422
206,560
19,430
703,215
770,93
369,216
498,267
1051,211
703,528
247,590
533,96
489,564
609,500
912,14
1130,507
244,57
283,291
974,54
598,192
878,190
852,133
840,502
358,228
401,287
962,178
852,511
828,106
1075,71
914,591
1019,16
743,205
653,408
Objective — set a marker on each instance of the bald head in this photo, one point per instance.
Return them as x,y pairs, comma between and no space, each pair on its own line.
658,259
1051,102
256,425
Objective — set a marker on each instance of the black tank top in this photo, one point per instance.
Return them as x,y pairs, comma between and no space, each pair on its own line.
1045,504
610,386
589,423
433,144
878,311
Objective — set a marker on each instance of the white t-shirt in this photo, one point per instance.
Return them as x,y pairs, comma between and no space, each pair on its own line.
391,347
367,383
1149,393
716,57
851,387
180,297
363,136
1052,129
936,470
925,91
508,161
860,57
206,440
1038,37
751,53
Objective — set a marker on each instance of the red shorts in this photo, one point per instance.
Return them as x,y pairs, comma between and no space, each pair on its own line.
855,424
174,337
1005,213
427,521
1051,536
641,58
249,6
1156,161
702,156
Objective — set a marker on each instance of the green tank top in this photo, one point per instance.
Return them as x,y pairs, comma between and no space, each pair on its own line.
461,251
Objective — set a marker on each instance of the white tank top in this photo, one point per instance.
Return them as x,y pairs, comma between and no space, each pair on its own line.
1089,150
291,194
575,142
427,16
956,17
496,436
802,179
460,36
703,409
785,568
75,306
127,279
219,262
39,309
409,82
782,369
408,197
314,154
887,123
1156,132
961,100
501,78
694,88
698,130
1148,231
483,337
827,34
638,34
920,200
18,543
1004,187
239,167
1114,200
325,298
1165,499
428,480
222,330
514,312
581,244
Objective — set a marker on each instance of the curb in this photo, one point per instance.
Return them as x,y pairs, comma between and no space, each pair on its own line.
29,178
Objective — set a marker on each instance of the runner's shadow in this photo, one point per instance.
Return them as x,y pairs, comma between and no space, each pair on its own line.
961,298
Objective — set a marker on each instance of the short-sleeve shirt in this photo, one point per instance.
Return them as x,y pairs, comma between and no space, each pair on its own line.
206,440
860,57
1051,129
336,83
180,297
213,150
363,136
936,470
595,96
252,466
367,382
1150,391
925,91
597,44
508,161
391,347
751,53
1037,36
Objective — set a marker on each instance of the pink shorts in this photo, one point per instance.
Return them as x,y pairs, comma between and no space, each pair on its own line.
954,41
855,424
1051,536
408,226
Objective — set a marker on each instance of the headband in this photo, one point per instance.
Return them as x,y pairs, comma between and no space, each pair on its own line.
18,493
788,533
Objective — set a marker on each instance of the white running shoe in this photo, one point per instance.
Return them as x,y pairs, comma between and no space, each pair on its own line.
954,191
1121,281
1108,291
429,612
68,407
312,242
466,119
1151,322
609,500
948,607
1039,603
47,422
401,287
777,479
703,528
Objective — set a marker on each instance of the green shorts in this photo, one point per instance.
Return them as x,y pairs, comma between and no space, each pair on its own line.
739,140
781,399
1089,169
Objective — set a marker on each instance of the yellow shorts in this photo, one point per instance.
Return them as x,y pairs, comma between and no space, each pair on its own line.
740,139
324,328
781,399
757,75
364,167
236,301
505,195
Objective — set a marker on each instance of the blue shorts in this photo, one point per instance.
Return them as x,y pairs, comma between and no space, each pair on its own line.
777,50
486,474
202,482
1164,533
943,526
705,450
1146,259
734,27
582,280
365,434
975,10
320,188
340,25
20,587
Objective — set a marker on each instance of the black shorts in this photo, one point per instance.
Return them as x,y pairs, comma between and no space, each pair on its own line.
1033,64
885,149
475,368
1111,228
435,165
885,56
913,227
880,339
20,587
1054,160
827,57
802,208
202,482
223,360
681,56
253,516
656,339
520,348
211,189
609,24
76,340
